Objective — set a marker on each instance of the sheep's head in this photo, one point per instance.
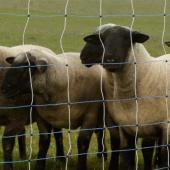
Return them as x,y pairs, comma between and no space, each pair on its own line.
167,43
110,44
90,52
17,78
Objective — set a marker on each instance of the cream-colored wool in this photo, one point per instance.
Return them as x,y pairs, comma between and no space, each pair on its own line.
50,87
151,92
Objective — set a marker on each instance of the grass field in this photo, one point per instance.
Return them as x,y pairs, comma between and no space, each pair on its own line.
45,28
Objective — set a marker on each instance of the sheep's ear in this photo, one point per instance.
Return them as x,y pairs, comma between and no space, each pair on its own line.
139,37
42,65
10,60
93,38
167,43
31,58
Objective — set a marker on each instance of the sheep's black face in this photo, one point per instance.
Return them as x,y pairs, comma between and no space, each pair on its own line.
17,79
90,52
117,44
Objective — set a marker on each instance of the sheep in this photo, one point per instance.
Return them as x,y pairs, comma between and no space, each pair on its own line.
50,87
13,119
6,119
10,51
58,136
150,81
91,50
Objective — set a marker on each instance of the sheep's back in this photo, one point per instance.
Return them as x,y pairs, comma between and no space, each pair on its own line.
83,80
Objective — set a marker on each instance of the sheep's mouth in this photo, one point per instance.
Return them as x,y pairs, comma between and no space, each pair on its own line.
112,67
90,62
86,63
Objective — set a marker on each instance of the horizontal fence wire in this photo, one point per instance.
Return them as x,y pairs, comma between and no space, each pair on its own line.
89,153
90,64
87,16
90,129
85,102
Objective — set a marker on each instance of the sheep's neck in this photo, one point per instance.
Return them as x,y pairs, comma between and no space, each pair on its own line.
48,87
125,84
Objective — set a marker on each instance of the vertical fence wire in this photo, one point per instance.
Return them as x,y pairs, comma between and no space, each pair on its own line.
68,84
101,85
166,78
32,92
135,83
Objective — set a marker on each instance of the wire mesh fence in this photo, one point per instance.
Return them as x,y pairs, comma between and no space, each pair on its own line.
62,31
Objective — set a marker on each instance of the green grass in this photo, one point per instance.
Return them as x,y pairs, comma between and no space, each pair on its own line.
46,31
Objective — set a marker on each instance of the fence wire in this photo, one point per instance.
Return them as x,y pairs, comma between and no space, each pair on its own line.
32,92
87,16
68,86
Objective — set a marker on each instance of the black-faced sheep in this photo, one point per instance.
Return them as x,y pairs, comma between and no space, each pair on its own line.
15,120
149,82
50,83
94,49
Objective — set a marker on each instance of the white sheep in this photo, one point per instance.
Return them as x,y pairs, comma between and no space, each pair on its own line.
15,120
91,50
140,85
50,84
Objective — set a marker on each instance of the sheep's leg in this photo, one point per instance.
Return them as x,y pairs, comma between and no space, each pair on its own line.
83,145
148,152
115,145
44,142
131,154
58,135
22,144
8,145
163,157
157,154
89,122
127,158
99,134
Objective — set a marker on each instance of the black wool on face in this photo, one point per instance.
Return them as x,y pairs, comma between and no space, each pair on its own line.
117,44
91,54
17,79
